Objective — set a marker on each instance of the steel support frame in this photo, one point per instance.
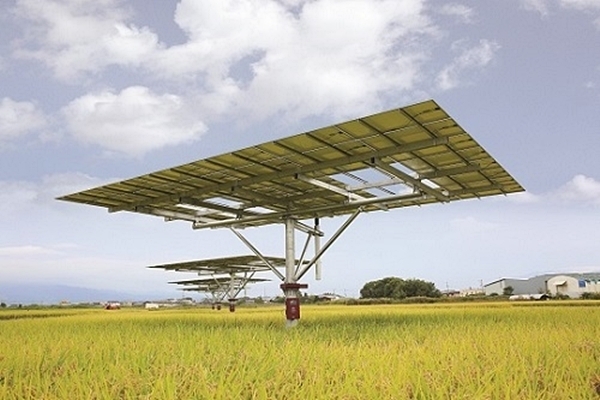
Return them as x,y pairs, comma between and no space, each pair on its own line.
229,290
217,297
236,285
293,273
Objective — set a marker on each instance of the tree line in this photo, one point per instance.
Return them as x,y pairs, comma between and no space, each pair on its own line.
398,288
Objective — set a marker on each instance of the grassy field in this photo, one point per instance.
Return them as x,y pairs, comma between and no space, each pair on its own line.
548,350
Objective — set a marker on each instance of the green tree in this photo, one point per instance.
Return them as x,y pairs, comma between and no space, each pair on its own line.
397,288
508,291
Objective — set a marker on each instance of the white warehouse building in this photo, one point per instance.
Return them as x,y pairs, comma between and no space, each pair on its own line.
569,284
574,285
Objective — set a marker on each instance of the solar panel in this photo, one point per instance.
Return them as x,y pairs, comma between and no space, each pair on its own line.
220,281
225,265
407,156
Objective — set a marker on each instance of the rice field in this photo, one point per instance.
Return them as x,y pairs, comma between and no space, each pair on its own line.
547,350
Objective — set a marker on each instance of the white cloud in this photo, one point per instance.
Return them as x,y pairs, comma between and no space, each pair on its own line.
543,6
293,3
222,32
332,62
16,196
18,118
27,251
464,13
56,185
592,6
469,59
581,189
524,198
20,197
540,6
50,265
472,225
581,4
301,57
133,121
257,58
76,36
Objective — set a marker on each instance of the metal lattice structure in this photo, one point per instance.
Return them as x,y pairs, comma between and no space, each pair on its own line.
404,157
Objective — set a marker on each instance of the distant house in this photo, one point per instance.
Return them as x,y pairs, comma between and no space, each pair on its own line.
450,293
462,293
471,292
112,305
328,297
569,284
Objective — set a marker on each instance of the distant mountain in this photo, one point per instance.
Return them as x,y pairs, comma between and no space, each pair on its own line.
53,294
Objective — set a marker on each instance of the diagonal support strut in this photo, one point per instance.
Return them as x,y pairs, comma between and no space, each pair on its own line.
258,253
326,246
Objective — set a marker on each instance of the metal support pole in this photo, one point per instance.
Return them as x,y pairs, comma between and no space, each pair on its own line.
231,292
328,244
317,250
290,251
291,295
216,300
291,286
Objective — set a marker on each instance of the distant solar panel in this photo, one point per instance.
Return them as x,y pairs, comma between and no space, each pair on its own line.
223,278
403,157
230,266
215,281
225,265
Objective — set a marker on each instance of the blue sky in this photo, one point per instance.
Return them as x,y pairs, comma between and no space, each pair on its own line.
96,91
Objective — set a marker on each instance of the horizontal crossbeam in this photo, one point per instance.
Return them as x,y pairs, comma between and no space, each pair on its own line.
409,180
279,215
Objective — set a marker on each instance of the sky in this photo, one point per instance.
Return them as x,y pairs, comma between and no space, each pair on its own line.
96,91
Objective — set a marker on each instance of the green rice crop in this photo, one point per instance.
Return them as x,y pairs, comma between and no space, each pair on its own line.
547,350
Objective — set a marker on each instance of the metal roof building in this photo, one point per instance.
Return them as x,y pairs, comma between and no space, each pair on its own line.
572,284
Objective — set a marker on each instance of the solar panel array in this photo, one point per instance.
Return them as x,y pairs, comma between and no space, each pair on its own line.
224,276
224,265
404,157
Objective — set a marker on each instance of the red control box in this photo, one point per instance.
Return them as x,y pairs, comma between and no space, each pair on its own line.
292,308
